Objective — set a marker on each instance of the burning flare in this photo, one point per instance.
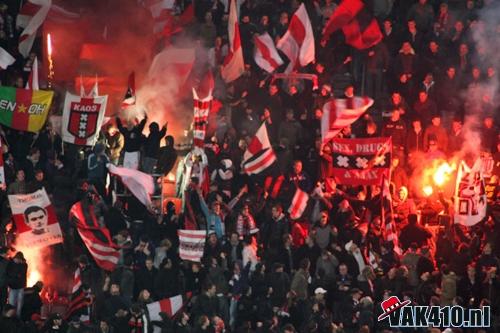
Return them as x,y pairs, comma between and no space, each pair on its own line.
442,174
428,190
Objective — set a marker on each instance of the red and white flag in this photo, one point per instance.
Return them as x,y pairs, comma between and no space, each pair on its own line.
140,184
259,154
32,83
234,64
266,55
340,113
82,119
35,220
130,94
200,120
470,194
29,33
170,306
191,244
299,204
360,27
298,42
96,238
2,170
6,59
56,14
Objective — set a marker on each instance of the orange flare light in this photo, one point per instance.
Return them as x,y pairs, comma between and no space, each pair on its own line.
442,174
428,190
49,45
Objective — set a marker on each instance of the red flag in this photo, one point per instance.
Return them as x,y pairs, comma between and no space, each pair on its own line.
233,65
360,28
130,94
56,13
97,238
340,113
352,160
298,42
201,109
266,55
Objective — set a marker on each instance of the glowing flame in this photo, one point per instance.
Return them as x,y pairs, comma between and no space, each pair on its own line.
442,174
428,190
49,45
171,177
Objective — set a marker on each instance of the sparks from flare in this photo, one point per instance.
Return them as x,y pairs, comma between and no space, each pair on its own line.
51,62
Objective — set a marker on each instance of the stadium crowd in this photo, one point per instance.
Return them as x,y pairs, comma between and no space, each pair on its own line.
328,271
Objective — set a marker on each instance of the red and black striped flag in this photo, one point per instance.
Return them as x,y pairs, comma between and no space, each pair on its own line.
356,20
97,238
81,301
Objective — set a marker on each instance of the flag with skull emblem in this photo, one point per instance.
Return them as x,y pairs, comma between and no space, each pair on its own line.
361,161
82,119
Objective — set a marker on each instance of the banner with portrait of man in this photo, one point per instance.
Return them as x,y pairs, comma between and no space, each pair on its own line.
35,220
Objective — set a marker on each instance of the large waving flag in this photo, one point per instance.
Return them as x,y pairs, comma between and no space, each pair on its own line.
259,154
96,238
24,110
140,184
266,55
29,33
298,42
234,64
360,28
340,113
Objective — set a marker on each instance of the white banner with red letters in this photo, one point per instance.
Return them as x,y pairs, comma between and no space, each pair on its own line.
82,119
35,220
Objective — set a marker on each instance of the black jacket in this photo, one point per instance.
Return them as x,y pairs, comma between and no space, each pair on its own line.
16,275
133,138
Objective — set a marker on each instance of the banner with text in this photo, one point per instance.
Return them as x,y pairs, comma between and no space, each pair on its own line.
361,161
35,220
82,119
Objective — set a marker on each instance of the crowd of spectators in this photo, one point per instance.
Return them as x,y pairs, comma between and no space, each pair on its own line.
434,79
